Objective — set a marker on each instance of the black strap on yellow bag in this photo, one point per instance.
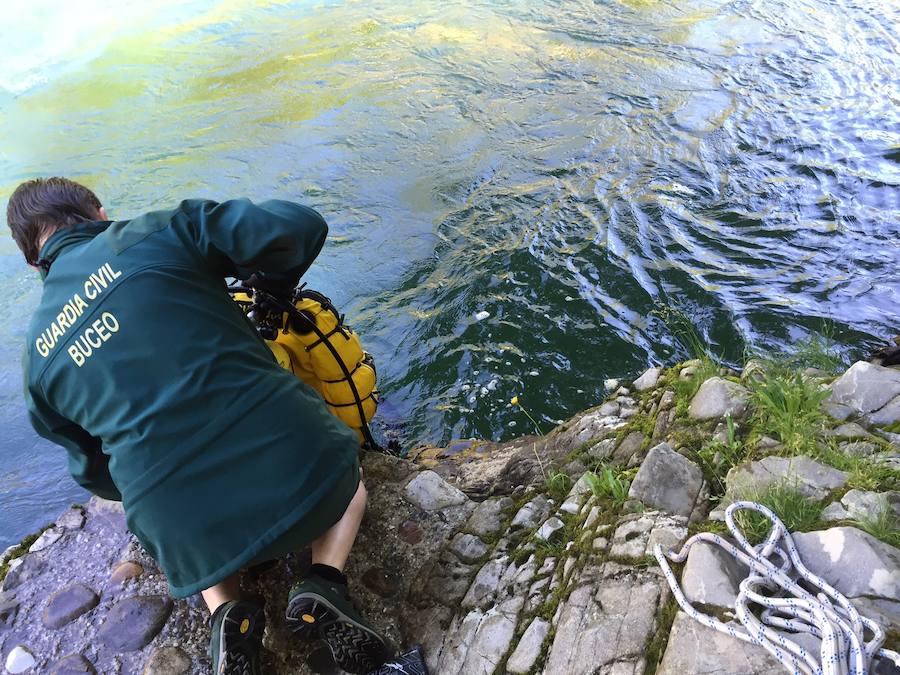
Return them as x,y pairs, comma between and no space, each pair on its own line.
278,318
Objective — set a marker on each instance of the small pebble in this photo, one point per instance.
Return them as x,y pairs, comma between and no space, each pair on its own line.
19,660
482,315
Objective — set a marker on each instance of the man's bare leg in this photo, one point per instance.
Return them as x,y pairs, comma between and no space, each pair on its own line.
222,592
333,547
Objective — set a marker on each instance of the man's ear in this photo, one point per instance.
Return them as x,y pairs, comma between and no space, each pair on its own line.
102,213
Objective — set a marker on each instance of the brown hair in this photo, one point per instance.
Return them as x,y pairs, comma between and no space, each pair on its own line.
40,207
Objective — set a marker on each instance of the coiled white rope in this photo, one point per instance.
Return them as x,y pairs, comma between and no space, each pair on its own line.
828,615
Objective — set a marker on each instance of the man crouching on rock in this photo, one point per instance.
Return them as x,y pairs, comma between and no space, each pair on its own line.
141,366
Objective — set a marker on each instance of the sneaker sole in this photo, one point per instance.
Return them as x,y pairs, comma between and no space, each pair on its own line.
354,647
242,634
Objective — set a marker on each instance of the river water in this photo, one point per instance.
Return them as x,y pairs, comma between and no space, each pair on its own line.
568,168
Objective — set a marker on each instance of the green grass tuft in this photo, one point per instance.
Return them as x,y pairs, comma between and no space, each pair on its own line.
798,512
884,526
608,485
558,486
865,473
787,406
819,350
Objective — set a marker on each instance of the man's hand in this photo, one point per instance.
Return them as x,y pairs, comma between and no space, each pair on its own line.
277,288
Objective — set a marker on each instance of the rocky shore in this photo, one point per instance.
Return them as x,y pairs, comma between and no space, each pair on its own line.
535,555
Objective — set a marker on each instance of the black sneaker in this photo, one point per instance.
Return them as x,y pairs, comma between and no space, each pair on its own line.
320,609
237,632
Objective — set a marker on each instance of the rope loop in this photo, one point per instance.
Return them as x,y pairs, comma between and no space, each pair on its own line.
776,590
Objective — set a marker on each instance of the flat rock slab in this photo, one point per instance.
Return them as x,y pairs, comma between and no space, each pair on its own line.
133,622
430,492
718,397
667,481
609,617
866,388
648,380
531,514
862,505
629,447
811,478
487,517
67,604
852,561
637,535
694,648
527,651
468,547
478,641
47,539
711,576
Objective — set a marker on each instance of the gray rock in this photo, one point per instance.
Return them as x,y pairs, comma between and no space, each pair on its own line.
687,372
531,514
611,384
861,504
22,570
812,479
767,443
885,612
133,622
549,529
889,414
694,648
9,608
450,582
19,660
516,580
667,481
73,664
479,641
467,547
849,430
834,512
71,519
866,387
852,561
648,380
609,617
168,661
582,487
47,539
430,492
609,408
667,400
573,504
602,450
487,517
593,425
837,411
629,447
711,576
858,448
718,397
636,536
526,653
484,588
67,604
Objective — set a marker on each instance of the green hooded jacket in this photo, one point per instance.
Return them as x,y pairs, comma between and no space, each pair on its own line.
141,366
